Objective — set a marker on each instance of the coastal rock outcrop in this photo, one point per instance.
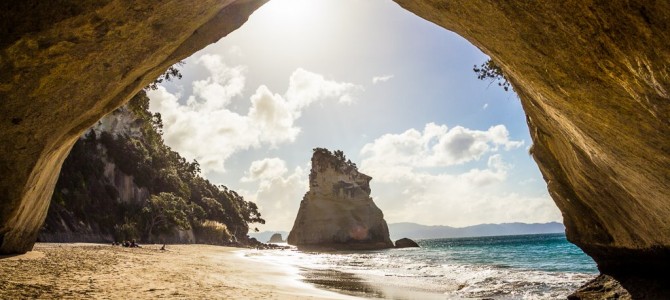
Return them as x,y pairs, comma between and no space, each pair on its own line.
405,243
602,287
276,238
337,211
593,80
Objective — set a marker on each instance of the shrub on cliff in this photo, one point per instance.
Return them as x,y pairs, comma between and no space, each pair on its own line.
489,70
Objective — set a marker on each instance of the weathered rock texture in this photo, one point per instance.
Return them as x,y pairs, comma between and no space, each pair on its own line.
337,211
594,81
602,287
67,63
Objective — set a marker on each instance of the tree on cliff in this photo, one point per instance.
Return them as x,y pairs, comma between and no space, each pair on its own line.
339,156
165,211
489,70
171,73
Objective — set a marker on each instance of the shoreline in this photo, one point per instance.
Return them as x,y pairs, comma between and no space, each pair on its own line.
96,271
354,285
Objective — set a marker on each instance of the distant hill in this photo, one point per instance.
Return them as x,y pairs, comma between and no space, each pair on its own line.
264,236
418,231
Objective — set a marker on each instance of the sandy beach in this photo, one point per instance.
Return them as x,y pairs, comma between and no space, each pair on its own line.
93,271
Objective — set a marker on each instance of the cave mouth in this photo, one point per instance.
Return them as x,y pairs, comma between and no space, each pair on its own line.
458,136
484,123
327,96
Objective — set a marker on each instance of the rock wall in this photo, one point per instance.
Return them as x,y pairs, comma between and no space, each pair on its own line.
337,211
594,81
67,63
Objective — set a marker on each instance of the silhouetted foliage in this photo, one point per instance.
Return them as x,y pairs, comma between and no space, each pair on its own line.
489,70
340,158
171,73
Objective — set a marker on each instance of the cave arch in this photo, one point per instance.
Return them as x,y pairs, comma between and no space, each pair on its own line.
593,80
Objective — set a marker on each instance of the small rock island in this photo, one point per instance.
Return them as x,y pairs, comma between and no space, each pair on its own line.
337,213
276,238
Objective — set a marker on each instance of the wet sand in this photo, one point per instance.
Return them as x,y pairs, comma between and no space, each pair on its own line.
92,271
353,285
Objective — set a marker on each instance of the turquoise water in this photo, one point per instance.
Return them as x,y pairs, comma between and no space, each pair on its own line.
542,266
542,252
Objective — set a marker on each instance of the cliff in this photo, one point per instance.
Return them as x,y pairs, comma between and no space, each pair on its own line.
121,182
593,80
337,211
92,187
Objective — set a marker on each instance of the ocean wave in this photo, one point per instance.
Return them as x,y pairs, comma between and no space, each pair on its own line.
466,272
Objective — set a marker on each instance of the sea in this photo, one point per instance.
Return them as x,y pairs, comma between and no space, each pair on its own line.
542,266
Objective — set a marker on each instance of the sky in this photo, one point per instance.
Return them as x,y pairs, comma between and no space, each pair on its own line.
396,93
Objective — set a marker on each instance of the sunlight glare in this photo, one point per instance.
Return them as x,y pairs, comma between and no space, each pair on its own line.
296,16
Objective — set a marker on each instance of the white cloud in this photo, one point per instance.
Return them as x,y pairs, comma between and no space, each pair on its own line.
217,90
306,87
379,79
279,193
204,128
412,180
486,105
436,146
268,168
469,198
273,116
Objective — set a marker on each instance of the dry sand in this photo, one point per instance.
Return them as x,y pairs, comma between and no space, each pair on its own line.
88,271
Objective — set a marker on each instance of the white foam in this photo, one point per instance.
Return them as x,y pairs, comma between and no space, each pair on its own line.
420,271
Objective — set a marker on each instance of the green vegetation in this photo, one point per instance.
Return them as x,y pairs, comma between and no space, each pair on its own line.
340,159
489,70
168,192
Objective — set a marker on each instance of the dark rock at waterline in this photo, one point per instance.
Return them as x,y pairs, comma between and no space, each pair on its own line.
602,287
405,243
276,238
630,285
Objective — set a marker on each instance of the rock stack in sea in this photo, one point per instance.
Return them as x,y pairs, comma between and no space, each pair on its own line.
337,211
276,238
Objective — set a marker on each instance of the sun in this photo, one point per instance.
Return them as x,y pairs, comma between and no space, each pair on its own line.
291,15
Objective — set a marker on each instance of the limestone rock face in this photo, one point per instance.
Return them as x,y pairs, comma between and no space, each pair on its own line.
337,211
67,63
594,81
